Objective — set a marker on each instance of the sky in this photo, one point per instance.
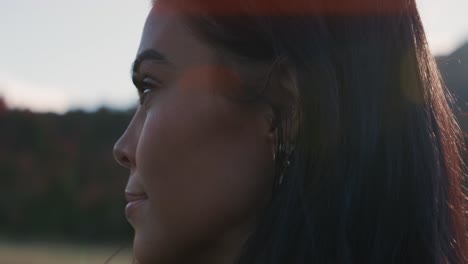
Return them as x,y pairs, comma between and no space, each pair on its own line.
60,55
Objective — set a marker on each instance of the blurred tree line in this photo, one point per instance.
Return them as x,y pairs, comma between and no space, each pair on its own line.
59,179
58,176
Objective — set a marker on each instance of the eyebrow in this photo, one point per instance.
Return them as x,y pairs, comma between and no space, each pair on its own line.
149,54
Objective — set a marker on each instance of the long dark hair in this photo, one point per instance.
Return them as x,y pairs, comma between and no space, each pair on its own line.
376,173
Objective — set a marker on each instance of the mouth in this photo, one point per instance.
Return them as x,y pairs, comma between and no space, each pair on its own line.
135,201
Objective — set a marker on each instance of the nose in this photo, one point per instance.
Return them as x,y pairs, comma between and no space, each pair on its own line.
122,154
125,147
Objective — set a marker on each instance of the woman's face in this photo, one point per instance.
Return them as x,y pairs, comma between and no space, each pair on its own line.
201,161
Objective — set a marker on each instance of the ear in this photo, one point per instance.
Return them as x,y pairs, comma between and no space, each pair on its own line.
283,95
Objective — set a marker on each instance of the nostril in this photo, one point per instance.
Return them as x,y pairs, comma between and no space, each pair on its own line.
125,161
121,157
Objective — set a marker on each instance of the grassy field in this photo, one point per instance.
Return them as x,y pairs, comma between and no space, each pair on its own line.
16,253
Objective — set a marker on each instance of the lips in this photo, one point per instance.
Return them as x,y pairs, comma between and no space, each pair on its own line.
135,201
131,197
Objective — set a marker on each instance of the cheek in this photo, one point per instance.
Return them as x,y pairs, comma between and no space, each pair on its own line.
205,166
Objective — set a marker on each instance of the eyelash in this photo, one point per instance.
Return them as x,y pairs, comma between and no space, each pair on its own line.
143,95
144,88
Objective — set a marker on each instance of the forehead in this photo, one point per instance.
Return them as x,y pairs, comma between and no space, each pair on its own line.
167,33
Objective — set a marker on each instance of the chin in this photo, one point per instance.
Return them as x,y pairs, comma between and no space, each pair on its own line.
145,251
150,251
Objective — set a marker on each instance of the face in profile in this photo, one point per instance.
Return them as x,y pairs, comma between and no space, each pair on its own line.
200,162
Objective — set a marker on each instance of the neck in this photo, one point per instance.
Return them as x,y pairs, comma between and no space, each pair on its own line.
226,250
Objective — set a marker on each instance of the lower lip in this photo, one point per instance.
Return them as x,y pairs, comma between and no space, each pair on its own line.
132,207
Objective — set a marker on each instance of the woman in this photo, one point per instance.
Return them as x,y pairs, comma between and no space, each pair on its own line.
302,132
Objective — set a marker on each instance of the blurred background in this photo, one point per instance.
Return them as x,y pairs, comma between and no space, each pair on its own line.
65,98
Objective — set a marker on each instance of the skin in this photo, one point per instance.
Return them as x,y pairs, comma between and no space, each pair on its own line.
203,159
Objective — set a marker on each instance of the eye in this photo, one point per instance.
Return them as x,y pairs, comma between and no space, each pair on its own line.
145,87
144,94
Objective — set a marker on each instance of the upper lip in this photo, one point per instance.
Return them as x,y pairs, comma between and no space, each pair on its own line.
132,196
